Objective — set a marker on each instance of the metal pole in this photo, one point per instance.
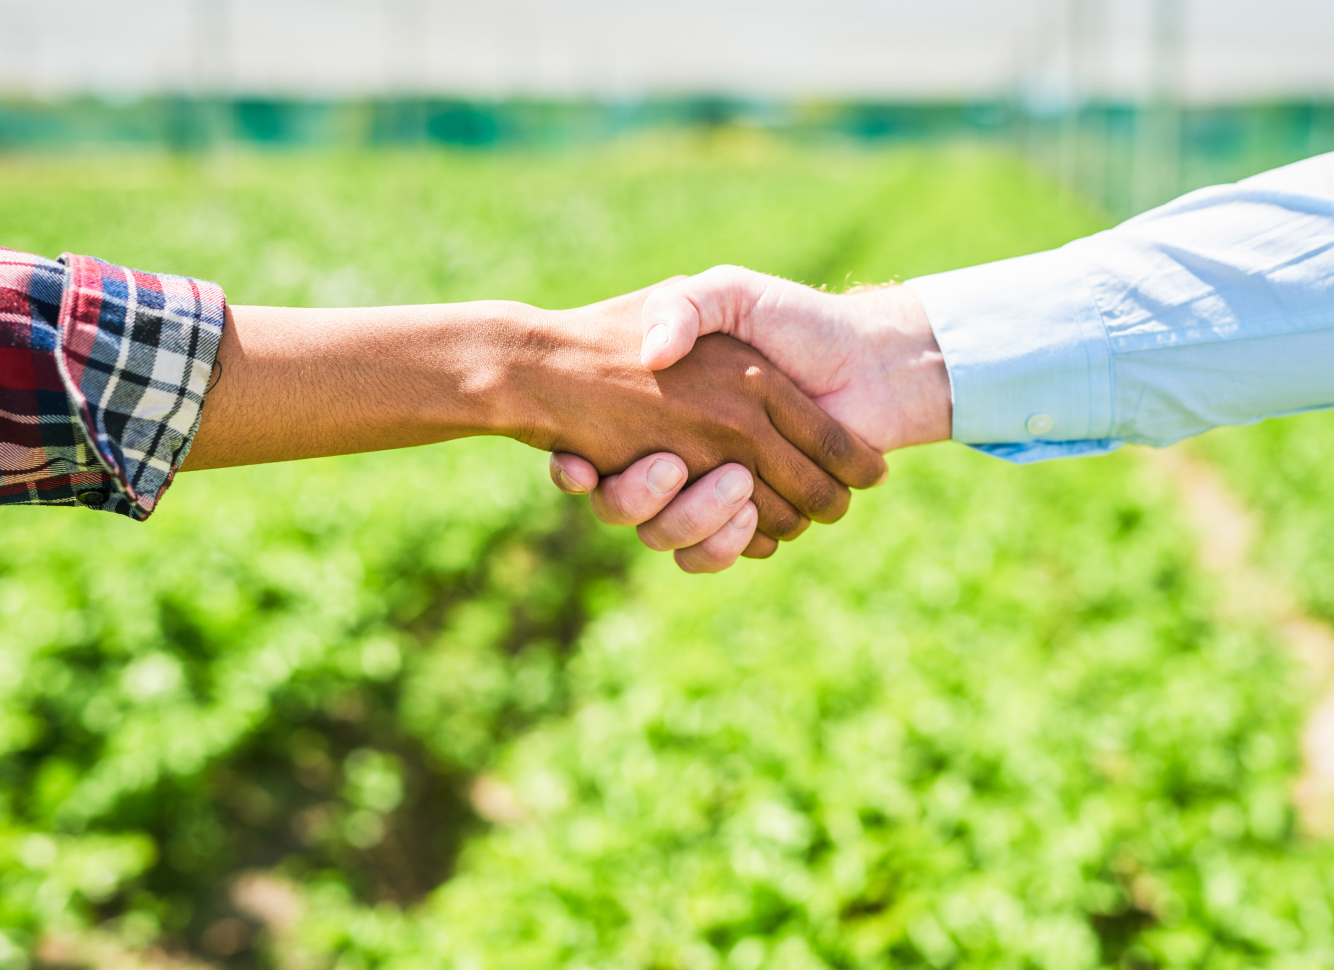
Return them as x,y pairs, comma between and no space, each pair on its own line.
1092,52
406,55
1072,161
210,50
1158,127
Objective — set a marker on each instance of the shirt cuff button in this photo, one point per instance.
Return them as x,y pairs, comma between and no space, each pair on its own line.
1039,424
93,498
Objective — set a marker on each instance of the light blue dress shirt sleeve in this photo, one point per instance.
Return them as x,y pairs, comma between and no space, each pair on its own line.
1215,309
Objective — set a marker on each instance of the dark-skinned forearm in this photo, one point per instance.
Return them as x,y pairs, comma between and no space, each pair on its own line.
302,383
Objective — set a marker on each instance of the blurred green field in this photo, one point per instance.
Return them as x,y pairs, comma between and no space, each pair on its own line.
992,719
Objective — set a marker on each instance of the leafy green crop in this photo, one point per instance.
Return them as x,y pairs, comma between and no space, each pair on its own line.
1003,732
993,719
1282,470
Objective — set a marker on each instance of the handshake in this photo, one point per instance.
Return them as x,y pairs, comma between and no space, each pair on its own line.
760,401
719,413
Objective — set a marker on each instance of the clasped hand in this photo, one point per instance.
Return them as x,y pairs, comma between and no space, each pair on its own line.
843,378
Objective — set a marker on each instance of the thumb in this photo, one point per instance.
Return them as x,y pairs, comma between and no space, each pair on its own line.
572,474
676,314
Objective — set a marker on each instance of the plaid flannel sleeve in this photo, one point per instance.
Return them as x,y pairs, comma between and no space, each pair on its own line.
103,372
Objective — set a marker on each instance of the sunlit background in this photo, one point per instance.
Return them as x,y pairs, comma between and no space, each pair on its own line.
1050,53
418,709
1128,101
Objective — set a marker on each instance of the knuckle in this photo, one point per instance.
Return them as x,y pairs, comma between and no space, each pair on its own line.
648,535
691,527
784,522
695,561
685,562
689,518
678,526
711,564
614,506
761,547
802,526
868,467
723,275
835,444
617,503
710,557
599,502
837,510
821,497
868,475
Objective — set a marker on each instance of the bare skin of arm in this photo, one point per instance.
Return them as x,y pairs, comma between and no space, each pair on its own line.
296,383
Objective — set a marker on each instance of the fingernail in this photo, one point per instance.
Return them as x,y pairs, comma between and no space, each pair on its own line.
663,476
733,487
569,483
884,477
657,336
744,521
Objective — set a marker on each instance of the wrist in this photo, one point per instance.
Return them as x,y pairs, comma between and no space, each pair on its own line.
552,368
907,367
501,383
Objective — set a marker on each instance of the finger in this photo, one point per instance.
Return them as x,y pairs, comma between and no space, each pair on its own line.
700,510
677,314
572,474
796,481
641,491
761,547
718,551
778,519
833,447
807,489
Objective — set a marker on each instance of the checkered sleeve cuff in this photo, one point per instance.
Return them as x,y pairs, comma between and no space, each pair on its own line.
103,405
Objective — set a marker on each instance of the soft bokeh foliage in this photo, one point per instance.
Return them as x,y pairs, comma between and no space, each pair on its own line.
992,719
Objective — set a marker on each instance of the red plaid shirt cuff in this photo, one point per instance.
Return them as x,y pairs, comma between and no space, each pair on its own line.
103,372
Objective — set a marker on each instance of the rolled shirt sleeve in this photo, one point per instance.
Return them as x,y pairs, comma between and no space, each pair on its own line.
103,372
1215,309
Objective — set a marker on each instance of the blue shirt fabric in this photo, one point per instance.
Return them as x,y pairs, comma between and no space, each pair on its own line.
1217,308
